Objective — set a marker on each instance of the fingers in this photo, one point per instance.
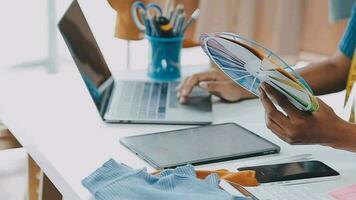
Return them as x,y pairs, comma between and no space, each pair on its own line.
211,86
216,88
226,90
271,115
190,82
272,112
278,123
280,99
276,129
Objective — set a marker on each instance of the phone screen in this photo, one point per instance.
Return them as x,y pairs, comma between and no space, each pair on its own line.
291,171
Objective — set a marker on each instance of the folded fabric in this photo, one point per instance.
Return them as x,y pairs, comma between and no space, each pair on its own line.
118,181
244,178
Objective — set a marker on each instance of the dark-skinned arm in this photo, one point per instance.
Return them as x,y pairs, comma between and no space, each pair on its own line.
327,76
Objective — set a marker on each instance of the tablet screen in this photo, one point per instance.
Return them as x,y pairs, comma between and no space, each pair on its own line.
198,145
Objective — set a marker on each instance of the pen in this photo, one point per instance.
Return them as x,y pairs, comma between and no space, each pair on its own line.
176,26
170,13
180,25
179,9
168,8
194,16
174,23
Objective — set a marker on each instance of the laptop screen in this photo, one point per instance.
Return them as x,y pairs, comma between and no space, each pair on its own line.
87,55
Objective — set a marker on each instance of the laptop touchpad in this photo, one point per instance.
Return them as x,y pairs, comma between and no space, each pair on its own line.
199,99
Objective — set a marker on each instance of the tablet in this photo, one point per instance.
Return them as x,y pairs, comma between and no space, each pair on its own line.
200,145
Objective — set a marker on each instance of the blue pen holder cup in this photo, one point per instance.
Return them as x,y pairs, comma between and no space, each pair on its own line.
164,58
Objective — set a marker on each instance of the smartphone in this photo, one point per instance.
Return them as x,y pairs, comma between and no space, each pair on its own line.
293,173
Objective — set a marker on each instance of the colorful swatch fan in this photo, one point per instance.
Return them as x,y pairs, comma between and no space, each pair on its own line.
248,64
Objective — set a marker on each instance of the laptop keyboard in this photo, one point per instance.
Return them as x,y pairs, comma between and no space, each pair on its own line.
143,100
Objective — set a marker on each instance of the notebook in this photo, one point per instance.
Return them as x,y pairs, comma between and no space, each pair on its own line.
249,64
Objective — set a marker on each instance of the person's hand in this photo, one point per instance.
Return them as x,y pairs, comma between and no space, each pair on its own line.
215,82
298,127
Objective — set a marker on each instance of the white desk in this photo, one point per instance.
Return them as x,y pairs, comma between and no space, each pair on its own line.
55,120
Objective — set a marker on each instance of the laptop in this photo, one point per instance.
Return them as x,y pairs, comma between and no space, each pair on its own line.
120,101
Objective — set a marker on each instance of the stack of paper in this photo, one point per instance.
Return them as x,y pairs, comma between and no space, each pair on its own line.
248,64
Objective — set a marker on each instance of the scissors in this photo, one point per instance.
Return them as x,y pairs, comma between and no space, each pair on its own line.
140,11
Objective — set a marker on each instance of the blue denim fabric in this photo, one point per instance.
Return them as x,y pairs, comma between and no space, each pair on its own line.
118,181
